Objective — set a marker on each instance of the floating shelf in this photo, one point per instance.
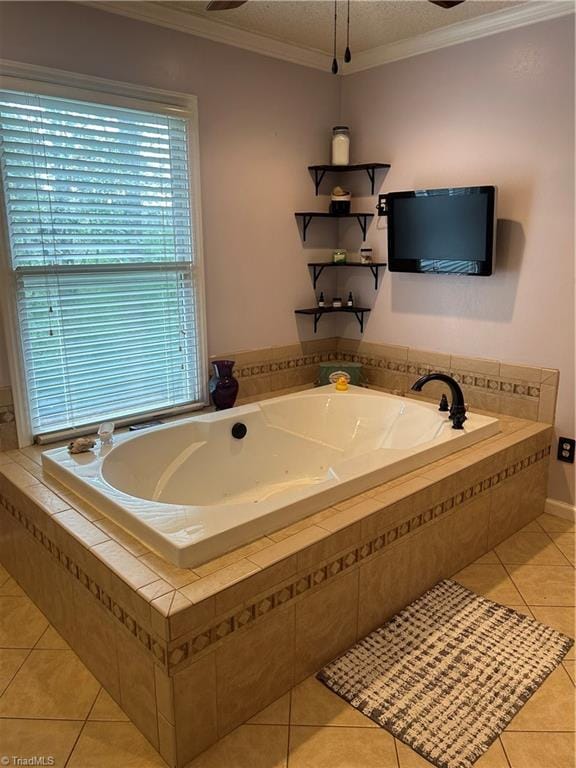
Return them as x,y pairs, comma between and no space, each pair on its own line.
320,171
319,266
317,313
307,217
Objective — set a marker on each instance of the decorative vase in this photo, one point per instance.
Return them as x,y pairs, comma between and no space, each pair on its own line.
223,386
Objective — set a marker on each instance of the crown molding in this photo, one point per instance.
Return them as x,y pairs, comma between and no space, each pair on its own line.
216,31
461,32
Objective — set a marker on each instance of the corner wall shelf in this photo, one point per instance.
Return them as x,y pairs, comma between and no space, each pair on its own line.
319,266
320,171
307,217
317,313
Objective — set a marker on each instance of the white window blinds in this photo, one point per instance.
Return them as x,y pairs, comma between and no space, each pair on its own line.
98,205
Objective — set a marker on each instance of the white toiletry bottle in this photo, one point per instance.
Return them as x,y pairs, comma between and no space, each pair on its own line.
340,145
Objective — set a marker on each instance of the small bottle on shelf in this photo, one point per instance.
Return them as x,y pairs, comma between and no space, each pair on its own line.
350,302
321,299
366,255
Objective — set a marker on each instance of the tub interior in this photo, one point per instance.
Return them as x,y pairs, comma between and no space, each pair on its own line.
290,444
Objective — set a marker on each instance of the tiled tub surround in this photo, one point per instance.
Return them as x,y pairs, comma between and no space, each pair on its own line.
191,654
8,438
261,371
515,390
192,492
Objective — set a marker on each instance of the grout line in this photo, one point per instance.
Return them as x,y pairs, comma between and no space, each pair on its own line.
395,740
289,728
24,660
81,731
496,553
534,565
291,690
507,731
504,749
36,719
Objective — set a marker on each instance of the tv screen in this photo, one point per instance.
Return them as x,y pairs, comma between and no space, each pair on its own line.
449,231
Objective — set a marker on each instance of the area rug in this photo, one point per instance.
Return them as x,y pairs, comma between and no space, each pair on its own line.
448,673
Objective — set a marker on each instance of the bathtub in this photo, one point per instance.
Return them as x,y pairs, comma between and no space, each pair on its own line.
191,491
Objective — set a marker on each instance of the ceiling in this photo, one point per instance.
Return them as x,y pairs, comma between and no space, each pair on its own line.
301,31
309,23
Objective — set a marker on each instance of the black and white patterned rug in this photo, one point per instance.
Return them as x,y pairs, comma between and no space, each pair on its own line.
448,673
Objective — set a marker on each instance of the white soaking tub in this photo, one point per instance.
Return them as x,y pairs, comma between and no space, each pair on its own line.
191,491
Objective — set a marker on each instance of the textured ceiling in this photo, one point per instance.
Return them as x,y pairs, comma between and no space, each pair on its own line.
309,23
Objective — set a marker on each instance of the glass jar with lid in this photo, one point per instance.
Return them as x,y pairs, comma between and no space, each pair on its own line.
340,145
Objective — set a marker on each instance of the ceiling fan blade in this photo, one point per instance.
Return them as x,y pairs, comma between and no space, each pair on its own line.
446,3
224,5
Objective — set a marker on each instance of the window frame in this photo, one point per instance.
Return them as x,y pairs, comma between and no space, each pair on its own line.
51,82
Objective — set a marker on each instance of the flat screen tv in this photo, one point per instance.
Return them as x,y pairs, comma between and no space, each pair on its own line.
447,231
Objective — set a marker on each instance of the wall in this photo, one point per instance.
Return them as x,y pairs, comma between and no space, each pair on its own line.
494,111
497,110
262,121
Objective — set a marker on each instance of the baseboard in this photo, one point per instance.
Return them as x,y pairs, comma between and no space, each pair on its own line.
561,509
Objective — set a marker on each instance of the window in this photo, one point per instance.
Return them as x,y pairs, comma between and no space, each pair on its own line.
103,258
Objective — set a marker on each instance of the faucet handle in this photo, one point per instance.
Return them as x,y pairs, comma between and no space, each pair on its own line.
458,416
443,404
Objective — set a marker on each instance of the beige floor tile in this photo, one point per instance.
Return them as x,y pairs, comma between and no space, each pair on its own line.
561,618
52,641
490,558
250,746
523,609
314,704
534,525
21,623
50,684
545,584
38,738
550,708
555,523
11,587
341,748
278,713
539,750
105,708
493,758
566,543
11,659
113,745
492,581
530,548
570,667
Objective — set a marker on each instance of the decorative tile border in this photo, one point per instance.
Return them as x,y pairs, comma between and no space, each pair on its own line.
6,414
175,658
286,364
157,650
184,652
490,384
8,436
480,382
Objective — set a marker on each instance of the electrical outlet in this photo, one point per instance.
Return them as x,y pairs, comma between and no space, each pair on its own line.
566,448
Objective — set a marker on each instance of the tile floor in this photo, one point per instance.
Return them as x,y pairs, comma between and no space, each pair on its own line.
51,705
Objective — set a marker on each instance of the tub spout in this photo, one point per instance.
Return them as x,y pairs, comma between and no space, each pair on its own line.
458,407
